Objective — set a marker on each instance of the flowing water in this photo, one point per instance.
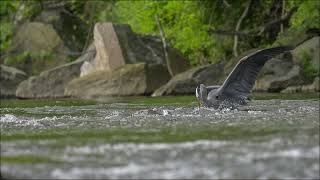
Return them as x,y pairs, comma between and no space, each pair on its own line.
265,139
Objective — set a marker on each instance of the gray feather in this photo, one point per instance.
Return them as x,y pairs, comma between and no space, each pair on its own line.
242,78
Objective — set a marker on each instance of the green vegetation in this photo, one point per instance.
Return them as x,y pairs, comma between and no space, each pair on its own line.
188,100
309,70
30,103
82,137
307,15
79,137
12,14
202,30
193,26
30,159
182,21
38,59
166,100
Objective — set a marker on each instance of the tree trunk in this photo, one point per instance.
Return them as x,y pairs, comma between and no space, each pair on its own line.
282,14
164,43
235,42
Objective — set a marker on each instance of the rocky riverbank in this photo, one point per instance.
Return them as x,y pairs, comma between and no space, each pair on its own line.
120,62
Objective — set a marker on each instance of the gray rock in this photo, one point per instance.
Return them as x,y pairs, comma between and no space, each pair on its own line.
51,83
35,38
274,83
130,79
186,82
10,78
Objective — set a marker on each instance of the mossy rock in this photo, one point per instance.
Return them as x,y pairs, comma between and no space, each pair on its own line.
37,47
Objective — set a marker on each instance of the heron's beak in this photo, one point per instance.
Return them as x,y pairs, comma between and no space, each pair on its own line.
199,103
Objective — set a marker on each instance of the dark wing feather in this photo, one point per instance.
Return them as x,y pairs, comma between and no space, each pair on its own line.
242,78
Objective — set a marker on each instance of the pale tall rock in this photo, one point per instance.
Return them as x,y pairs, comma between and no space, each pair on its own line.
109,54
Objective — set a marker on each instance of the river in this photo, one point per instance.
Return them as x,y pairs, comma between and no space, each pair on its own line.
265,139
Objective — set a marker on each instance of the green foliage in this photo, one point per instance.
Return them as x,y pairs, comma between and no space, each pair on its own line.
192,38
186,24
29,159
12,13
139,14
308,69
307,15
76,136
6,7
11,60
181,21
5,37
39,60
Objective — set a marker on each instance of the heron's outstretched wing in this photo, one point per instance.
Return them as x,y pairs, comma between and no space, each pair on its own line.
242,78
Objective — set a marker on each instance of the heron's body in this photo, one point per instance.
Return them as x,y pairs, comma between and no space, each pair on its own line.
237,87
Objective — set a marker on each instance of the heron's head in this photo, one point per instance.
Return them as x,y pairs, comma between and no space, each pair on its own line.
214,98
201,94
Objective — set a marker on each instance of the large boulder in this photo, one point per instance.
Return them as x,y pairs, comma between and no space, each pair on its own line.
38,46
275,83
117,45
186,82
10,78
130,79
51,83
35,36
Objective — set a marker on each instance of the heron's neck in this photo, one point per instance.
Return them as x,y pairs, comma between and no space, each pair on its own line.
204,96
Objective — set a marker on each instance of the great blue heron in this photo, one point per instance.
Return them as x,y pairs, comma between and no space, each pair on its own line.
236,88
